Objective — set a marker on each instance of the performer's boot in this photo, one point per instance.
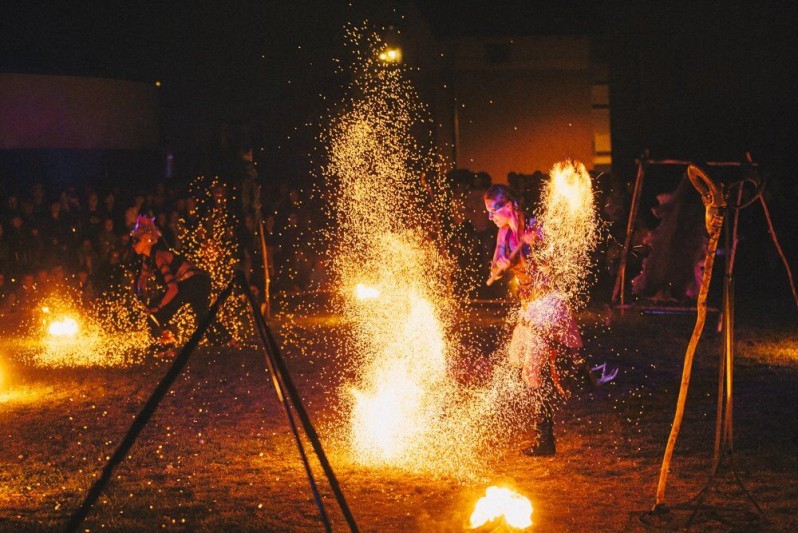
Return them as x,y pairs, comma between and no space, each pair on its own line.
589,379
544,444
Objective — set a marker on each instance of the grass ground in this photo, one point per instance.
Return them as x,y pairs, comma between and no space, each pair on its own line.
218,455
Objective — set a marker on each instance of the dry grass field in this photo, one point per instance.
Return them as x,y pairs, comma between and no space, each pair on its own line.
218,454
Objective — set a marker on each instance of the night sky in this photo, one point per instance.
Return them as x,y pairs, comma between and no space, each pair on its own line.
692,80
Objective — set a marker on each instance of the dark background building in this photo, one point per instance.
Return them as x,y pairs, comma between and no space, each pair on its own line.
702,80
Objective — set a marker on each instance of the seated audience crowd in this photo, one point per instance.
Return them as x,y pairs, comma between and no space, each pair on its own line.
81,237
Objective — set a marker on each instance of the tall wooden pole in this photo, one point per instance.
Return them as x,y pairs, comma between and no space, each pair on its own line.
266,309
620,280
715,204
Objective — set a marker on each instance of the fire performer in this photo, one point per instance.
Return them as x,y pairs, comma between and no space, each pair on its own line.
184,282
546,331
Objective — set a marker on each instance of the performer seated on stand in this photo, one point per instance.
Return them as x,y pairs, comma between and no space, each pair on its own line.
545,339
184,282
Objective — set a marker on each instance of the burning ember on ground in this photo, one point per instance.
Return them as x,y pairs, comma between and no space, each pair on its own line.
499,503
63,332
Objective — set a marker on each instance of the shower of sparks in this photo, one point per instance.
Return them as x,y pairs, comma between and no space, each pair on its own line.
397,406
112,330
364,292
208,240
375,168
67,326
404,408
570,220
64,332
501,502
544,327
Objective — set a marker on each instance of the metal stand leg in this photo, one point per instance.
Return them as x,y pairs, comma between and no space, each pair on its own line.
724,426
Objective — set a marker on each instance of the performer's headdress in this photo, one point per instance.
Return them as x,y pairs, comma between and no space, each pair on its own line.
501,194
145,228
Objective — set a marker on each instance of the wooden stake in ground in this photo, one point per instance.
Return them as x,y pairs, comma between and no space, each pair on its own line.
715,203
266,308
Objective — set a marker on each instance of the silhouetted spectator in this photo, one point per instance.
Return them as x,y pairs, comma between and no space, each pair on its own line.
92,217
26,295
7,297
107,239
87,258
85,287
8,260
56,233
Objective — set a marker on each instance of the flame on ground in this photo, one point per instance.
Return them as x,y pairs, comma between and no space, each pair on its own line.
108,332
501,502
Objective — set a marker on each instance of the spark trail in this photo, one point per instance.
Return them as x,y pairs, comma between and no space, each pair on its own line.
403,408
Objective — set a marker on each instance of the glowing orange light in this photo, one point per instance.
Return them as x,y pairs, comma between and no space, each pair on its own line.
571,184
364,292
501,502
63,328
391,55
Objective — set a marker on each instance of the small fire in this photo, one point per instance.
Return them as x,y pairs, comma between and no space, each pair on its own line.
571,184
63,328
364,292
397,405
71,333
502,502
